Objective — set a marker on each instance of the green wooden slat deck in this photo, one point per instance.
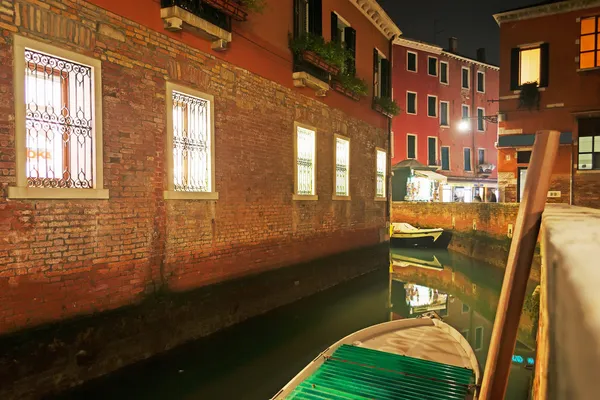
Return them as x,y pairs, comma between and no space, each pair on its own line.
357,373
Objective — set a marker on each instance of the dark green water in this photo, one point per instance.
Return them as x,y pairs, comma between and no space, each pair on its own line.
254,359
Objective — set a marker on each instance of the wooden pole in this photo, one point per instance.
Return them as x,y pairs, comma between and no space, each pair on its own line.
527,227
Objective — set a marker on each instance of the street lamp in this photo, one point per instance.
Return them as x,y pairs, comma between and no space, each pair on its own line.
465,125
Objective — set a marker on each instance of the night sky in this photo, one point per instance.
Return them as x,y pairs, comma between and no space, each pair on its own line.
471,21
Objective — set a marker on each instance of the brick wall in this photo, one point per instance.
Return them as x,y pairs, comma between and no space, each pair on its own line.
60,258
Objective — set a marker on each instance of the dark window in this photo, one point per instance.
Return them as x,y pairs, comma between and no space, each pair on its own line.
589,143
411,62
467,160
308,17
446,158
381,75
346,36
432,66
444,113
481,82
480,121
202,10
432,106
465,111
444,72
523,157
480,157
431,151
478,338
411,103
529,64
465,308
411,149
465,78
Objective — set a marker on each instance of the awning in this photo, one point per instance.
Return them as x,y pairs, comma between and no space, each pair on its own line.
434,176
527,139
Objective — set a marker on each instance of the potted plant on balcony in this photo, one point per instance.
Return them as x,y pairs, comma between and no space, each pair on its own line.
328,56
529,97
386,106
350,85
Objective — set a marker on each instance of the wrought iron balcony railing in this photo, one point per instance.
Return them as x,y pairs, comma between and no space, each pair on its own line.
201,9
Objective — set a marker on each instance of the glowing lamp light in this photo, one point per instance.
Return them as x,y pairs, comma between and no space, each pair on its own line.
464,125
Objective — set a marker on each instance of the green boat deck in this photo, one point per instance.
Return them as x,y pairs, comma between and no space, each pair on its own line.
360,373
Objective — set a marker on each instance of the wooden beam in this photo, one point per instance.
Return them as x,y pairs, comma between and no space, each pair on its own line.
527,228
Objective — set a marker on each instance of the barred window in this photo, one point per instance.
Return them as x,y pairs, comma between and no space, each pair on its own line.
381,172
342,167
58,123
305,161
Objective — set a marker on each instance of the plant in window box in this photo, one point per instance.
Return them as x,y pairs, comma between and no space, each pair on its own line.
350,85
386,106
529,97
329,56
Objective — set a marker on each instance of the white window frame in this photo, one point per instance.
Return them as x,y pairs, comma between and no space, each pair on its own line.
437,66
466,336
416,102
295,195
447,114
447,73
335,196
392,142
21,190
384,197
436,151
441,161
462,106
468,78
377,88
416,61
484,157
480,73
171,193
434,108
416,146
470,157
475,339
482,120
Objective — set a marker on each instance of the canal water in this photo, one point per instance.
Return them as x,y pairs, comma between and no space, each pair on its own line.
254,359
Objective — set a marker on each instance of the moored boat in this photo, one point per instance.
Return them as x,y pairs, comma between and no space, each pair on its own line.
415,236
421,358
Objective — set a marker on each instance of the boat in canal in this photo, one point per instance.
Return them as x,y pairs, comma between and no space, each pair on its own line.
411,236
421,358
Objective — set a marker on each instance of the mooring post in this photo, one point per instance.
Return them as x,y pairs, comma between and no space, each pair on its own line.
518,267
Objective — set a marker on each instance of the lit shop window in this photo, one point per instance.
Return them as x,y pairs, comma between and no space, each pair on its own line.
305,161
342,167
381,173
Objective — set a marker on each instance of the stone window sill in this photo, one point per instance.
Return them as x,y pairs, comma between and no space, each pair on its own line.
587,69
305,197
56,193
175,17
304,79
588,171
177,195
380,198
336,197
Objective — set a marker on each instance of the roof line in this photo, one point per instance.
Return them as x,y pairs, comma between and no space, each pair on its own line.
544,10
378,17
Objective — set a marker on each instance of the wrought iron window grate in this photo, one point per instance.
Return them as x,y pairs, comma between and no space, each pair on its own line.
305,161
191,144
203,10
381,166
58,122
342,166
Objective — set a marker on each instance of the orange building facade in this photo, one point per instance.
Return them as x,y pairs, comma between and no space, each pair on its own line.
565,65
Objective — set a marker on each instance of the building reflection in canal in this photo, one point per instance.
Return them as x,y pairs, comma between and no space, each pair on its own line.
465,293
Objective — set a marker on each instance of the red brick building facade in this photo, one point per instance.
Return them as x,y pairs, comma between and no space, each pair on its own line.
132,216
437,89
564,64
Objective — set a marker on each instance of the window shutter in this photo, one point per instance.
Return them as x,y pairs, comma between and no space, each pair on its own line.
298,20
350,36
315,20
385,78
514,68
544,64
334,29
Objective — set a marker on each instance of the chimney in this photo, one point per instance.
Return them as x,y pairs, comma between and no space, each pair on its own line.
453,45
481,55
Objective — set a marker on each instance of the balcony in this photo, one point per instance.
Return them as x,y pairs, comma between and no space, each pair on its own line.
485,169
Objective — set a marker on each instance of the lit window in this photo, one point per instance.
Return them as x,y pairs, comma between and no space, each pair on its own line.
305,161
381,173
529,66
61,155
480,120
444,109
589,44
342,167
431,106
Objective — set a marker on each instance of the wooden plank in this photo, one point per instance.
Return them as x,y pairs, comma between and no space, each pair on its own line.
520,257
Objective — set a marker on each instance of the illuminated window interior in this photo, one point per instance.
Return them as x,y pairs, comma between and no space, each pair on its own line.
589,46
529,66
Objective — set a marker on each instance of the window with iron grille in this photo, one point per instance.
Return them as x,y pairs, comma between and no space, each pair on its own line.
381,172
305,161
342,167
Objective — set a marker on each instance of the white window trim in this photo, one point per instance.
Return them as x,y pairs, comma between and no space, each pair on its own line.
483,115
470,157
385,177
468,78
392,142
416,61
416,102
441,161
435,108
468,111
416,146
482,73
480,148
436,151
447,73
171,193
475,339
447,114
437,66
295,195
344,20
334,195
21,190
381,57
465,330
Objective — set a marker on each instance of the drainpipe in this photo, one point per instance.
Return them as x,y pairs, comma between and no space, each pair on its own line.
389,164
571,174
474,122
